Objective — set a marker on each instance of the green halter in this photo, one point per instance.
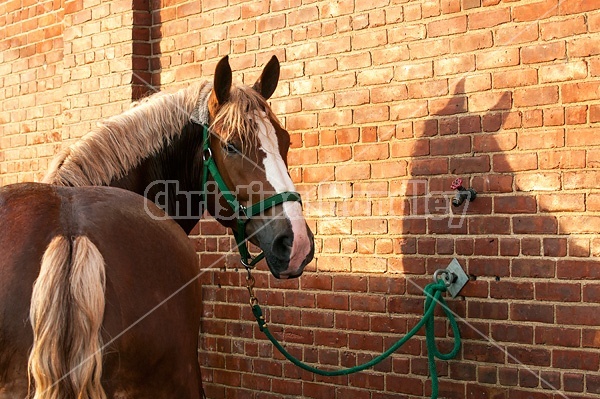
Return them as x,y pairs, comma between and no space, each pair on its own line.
244,214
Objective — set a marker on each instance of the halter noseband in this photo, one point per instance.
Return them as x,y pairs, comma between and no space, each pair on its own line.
244,214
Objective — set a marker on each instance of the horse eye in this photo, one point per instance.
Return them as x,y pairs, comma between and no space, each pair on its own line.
231,149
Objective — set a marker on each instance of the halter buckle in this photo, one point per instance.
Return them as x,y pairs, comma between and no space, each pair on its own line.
249,264
242,211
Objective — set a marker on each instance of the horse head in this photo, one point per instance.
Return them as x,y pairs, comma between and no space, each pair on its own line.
249,148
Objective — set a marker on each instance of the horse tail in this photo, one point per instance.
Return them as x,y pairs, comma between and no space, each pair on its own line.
66,313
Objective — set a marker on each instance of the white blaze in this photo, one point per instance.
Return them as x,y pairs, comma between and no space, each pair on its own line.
278,177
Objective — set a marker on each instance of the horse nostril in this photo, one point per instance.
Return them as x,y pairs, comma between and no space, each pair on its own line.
282,245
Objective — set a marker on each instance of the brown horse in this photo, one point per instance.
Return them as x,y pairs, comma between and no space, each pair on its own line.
115,306
105,265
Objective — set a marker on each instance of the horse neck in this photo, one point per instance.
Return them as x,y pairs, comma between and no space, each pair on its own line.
171,178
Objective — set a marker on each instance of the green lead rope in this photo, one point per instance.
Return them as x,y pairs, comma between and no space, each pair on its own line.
433,293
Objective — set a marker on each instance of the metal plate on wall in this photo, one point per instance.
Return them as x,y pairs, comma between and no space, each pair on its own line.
459,281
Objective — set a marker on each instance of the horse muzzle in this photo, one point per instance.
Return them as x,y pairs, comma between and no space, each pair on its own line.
287,243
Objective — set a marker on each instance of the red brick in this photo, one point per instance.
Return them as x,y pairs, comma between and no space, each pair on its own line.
571,359
554,116
286,387
563,28
591,292
530,246
489,101
335,118
511,163
449,7
333,46
313,390
271,22
432,166
594,23
548,138
495,142
557,336
577,269
532,312
533,118
70,6
583,47
333,301
535,225
578,92
448,26
469,124
489,225
509,247
533,356
556,247
387,93
533,268
562,203
469,4
581,179
369,40
471,164
559,292
489,18
543,53
515,34
577,6
405,385
428,89
479,391
426,49
450,145
471,41
454,65
523,77
303,15
407,33
579,224
354,322
497,58
561,159
536,96
483,352
515,204
535,11
595,113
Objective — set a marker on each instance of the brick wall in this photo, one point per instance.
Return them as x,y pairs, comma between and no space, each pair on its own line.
63,66
387,102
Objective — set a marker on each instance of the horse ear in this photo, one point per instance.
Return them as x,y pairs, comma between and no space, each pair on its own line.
222,83
267,83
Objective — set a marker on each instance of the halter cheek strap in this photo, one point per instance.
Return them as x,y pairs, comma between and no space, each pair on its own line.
243,214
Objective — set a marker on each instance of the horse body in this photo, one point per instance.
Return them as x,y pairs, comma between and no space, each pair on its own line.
115,307
147,355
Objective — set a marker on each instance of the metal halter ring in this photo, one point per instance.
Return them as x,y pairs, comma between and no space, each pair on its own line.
207,154
447,276
248,265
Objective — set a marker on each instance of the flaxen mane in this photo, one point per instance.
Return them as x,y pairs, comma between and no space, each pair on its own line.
237,117
121,142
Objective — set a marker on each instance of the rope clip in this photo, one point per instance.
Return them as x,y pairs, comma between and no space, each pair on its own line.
250,286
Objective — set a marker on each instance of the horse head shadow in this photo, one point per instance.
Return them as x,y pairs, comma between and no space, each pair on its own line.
466,138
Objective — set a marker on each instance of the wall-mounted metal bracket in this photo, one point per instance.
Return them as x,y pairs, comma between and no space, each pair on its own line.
453,276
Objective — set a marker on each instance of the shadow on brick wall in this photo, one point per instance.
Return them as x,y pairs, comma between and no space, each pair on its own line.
518,240
146,24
